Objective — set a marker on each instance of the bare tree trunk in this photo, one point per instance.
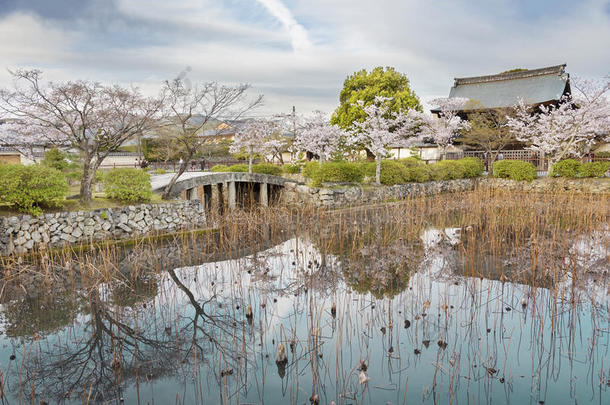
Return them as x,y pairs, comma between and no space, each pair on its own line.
86,180
250,158
493,157
181,170
378,170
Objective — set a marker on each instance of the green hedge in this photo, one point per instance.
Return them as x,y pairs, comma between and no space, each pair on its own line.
337,172
129,185
418,174
392,172
473,167
594,169
310,168
411,170
412,161
219,168
572,168
447,170
514,170
264,168
31,188
292,168
566,168
267,168
239,168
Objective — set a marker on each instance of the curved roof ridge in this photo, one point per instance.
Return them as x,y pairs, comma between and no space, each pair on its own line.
550,70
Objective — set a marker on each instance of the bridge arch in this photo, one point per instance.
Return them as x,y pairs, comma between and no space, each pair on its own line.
223,188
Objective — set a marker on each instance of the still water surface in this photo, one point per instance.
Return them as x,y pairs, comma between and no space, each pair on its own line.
419,331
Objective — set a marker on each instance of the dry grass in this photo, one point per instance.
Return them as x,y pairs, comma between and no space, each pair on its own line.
356,274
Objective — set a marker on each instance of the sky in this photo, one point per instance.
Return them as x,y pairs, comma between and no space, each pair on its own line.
299,52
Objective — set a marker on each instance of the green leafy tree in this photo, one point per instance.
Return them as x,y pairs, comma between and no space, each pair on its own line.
488,130
56,159
365,86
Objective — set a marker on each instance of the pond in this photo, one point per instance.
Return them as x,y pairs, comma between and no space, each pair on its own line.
447,300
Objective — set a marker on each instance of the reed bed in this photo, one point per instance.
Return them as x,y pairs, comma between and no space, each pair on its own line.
485,296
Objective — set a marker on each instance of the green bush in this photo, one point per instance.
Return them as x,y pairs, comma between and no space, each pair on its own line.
310,168
594,169
267,168
241,168
292,168
605,154
129,185
219,168
392,172
447,170
473,167
31,188
566,168
514,170
412,161
418,174
338,172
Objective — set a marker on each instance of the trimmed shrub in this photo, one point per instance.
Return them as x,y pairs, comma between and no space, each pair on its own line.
310,168
473,167
241,168
514,170
605,154
31,188
566,168
267,168
392,172
447,170
338,172
412,161
418,174
594,169
292,168
219,168
129,185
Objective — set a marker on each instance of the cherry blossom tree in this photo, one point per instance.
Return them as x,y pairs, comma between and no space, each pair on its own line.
190,109
256,137
92,118
382,129
319,137
571,128
444,128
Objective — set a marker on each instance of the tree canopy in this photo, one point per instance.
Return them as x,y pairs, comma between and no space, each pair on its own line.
365,86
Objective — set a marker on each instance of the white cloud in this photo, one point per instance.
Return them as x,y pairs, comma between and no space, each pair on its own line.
238,41
298,35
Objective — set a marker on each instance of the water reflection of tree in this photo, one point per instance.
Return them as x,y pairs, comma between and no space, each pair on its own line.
33,316
119,341
375,259
96,361
528,256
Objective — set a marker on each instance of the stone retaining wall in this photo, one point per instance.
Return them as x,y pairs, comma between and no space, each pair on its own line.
552,185
342,196
23,233
337,197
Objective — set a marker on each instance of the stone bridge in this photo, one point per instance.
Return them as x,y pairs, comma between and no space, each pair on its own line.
223,188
